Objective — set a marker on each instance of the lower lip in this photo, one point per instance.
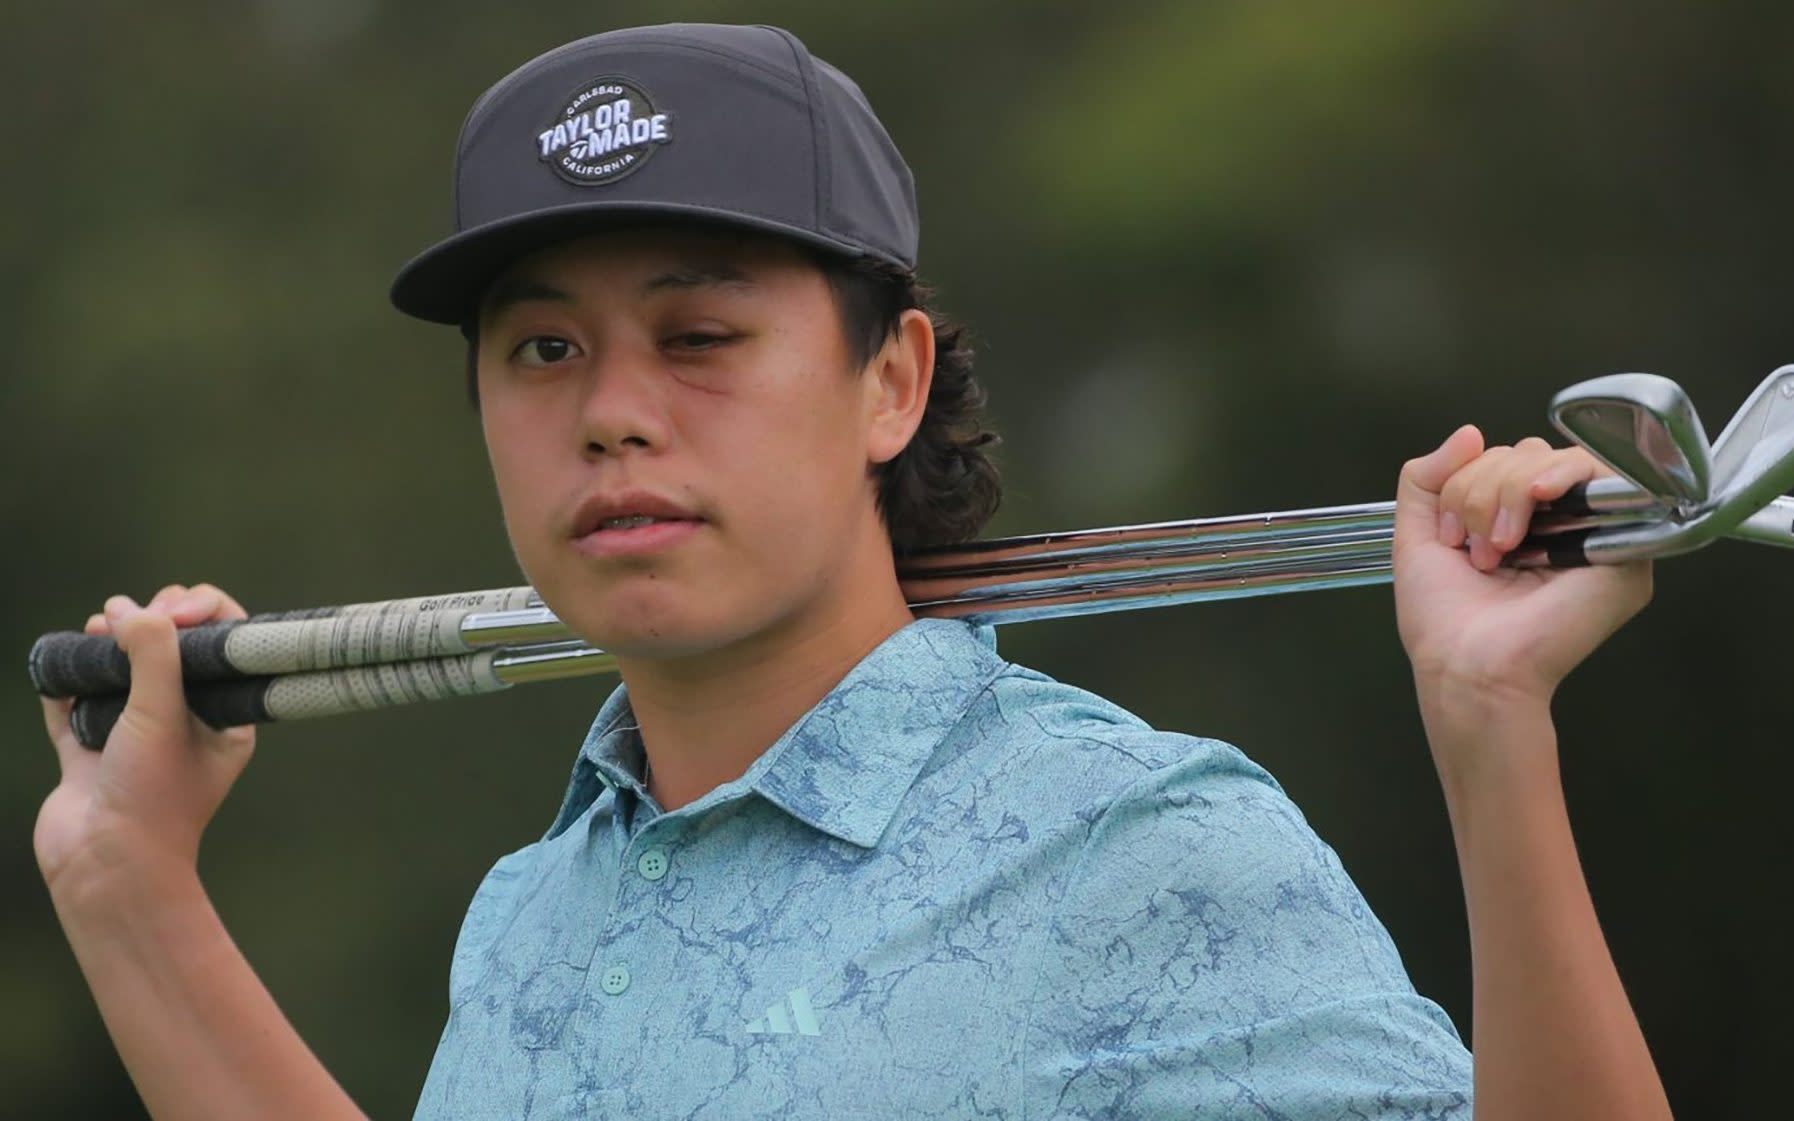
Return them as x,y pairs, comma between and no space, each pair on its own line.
636,541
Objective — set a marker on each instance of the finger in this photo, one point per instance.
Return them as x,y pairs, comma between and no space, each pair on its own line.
1483,555
166,597
1515,502
96,624
1417,491
73,758
1567,468
1473,494
116,607
156,708
206,603
1455,507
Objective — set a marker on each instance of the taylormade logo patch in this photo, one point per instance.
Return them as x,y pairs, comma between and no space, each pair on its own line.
607,130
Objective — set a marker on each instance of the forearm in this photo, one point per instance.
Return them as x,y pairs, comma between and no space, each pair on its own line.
199,1033
1553,1031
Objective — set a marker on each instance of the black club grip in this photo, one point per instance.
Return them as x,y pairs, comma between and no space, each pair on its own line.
221,704
1573,503
1553,550
69,664
1566,550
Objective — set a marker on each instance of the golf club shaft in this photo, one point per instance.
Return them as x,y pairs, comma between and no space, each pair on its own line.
1015,579
69,664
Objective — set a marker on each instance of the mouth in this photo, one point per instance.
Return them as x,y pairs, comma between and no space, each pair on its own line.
636,535
631,525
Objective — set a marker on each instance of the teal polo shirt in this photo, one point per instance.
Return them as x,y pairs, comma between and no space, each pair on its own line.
956,888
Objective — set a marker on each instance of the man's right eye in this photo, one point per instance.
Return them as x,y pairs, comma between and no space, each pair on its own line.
543,350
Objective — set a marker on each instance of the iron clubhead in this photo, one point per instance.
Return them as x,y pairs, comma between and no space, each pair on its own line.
1757,466
1759,461
1645,428
1760,411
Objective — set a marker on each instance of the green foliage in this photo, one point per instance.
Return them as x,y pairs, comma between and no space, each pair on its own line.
1225,117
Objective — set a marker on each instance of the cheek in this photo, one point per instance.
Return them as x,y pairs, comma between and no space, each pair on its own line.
518,475
797,446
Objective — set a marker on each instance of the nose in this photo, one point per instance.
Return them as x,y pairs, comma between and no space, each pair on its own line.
623,403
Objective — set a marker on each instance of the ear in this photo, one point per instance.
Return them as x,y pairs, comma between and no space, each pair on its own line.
896,384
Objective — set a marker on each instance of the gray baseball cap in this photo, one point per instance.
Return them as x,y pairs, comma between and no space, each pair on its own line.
689,122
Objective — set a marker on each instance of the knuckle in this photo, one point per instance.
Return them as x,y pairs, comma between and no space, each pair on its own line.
1481,500
145,626
220,602
1516,486
1584,459
1460,486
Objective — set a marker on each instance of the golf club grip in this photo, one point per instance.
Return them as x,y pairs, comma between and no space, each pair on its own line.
292,696
1573,503
1555,550
73,664
70,664
1576,503
221,704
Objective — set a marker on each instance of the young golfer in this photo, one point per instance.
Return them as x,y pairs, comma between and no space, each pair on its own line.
818,858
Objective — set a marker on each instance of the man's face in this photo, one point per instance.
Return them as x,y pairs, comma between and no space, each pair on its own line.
701,379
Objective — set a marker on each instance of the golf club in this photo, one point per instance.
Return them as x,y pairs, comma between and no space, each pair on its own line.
1645,428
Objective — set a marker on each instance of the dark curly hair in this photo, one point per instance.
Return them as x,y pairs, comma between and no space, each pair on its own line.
943,487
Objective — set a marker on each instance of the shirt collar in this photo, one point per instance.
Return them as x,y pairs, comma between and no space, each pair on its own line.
845,765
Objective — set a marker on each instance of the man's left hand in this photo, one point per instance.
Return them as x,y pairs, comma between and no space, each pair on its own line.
1477,632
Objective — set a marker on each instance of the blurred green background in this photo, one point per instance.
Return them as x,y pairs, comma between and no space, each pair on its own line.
1220,256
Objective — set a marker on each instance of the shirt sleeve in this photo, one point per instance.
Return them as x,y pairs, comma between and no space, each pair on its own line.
490,911
1211,958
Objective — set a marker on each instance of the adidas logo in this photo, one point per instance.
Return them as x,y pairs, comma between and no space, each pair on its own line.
800,1018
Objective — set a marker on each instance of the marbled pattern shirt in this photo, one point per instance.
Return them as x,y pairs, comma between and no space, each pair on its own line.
955,888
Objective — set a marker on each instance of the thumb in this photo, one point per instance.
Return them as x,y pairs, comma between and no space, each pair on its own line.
157,706
1422,480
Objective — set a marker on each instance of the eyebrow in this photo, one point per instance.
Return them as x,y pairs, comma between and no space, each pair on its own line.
515,290
699,275
521,289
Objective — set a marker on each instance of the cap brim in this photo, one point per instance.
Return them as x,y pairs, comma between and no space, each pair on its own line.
445,282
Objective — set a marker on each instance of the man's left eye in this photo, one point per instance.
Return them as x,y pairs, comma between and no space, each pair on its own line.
699,340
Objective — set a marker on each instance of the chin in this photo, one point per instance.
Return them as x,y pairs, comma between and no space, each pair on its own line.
654,626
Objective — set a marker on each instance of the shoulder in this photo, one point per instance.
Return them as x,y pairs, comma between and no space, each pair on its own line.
1137,810
1111,755
488,914
1205,943
1181,845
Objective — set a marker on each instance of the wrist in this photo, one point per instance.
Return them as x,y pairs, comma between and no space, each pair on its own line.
1487,738
116,873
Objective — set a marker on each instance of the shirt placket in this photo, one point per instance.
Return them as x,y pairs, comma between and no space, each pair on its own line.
624,970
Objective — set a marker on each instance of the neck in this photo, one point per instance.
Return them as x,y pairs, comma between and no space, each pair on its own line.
704,720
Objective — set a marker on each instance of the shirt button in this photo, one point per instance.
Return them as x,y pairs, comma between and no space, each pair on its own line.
615,979
654,863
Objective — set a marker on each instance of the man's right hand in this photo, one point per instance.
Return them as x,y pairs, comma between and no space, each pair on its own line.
145,799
